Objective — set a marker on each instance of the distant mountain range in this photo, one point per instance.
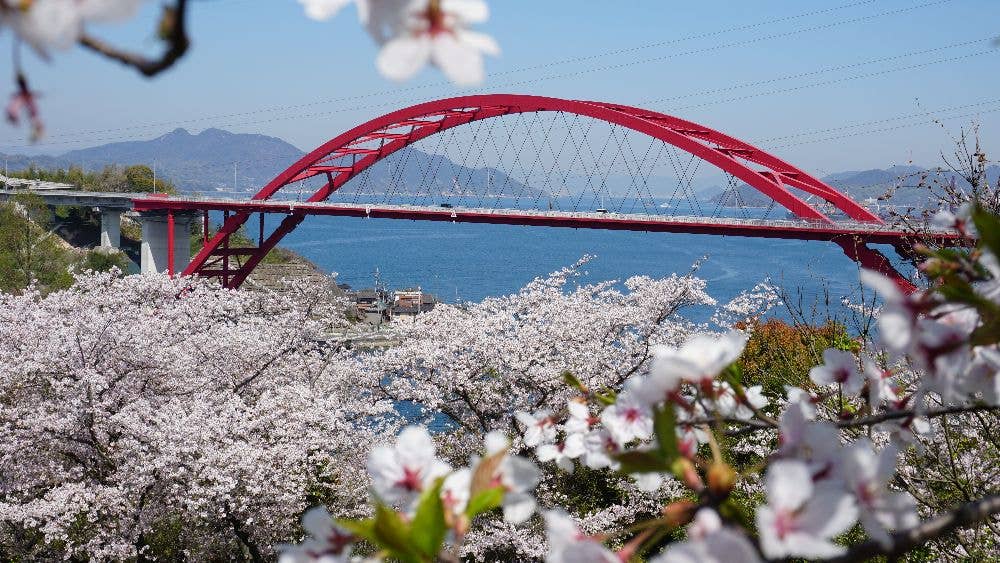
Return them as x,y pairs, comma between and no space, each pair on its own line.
863,184
206,162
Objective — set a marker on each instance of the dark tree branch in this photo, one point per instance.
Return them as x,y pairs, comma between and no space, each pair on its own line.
895,415
173,23
754,425
901,542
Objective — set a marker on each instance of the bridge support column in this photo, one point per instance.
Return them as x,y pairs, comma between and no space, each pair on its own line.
111,228
158,244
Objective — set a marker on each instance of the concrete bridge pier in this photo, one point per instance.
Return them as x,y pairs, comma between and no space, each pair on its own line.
158,243
111,228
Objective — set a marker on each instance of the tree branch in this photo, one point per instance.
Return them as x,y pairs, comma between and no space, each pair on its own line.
177,44
895,415
902,542
753,425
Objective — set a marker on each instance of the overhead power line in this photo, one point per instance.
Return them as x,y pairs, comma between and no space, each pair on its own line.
79,134
795,88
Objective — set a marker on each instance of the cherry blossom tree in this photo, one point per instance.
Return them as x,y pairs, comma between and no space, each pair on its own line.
572,422
825,476
142,411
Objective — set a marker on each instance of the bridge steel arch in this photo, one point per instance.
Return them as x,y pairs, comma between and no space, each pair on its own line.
350,153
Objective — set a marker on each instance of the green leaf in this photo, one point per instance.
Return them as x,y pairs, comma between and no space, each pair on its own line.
607,398
428,528
988,226
987,333
573,381
484,502
364,529
664,426
393,534
638,461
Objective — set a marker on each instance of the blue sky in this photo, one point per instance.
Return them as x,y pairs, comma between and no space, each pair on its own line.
259,66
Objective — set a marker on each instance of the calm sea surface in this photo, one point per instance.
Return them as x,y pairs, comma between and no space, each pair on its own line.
467,262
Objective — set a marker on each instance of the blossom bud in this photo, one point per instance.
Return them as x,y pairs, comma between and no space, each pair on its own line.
685,471
679,512
721,479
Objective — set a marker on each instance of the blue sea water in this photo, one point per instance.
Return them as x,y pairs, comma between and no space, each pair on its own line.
468,262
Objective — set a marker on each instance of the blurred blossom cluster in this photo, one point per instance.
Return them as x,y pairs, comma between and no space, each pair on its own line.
413,33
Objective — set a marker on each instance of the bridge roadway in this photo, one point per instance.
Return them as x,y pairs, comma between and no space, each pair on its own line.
78,198
768,228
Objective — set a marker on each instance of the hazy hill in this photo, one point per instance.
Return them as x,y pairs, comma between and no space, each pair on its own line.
205,162
865,184
198,162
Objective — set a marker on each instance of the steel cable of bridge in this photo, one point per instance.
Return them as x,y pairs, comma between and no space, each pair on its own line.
86,134
816,84
446,84
812,85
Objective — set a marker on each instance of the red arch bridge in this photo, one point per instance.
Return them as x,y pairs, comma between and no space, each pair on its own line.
502,159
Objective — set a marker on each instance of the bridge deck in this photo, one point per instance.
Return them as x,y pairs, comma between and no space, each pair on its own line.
770,228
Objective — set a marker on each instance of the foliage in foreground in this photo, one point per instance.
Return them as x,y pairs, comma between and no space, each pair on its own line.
149,417
844,471
31,254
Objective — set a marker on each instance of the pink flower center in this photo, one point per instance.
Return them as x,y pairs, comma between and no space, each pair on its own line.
435,17
411,480
784,523
338,542
841,375
866,493
632,414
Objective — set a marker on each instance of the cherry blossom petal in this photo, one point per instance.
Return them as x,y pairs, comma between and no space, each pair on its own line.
402,58
322,10
461,63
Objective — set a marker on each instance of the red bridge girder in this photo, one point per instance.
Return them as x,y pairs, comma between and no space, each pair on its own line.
341,159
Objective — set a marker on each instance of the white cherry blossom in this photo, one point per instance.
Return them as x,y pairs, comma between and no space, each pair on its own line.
327,542
730,404
58,24
630,418
598,447
401,472
539,428
868,475
815,442
699,360
799,519
568,545
325,9
805,400
906,431
897,318
580,419
455,490
563,453
983,376
839,368
880,385
518,476
709,542
437,32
